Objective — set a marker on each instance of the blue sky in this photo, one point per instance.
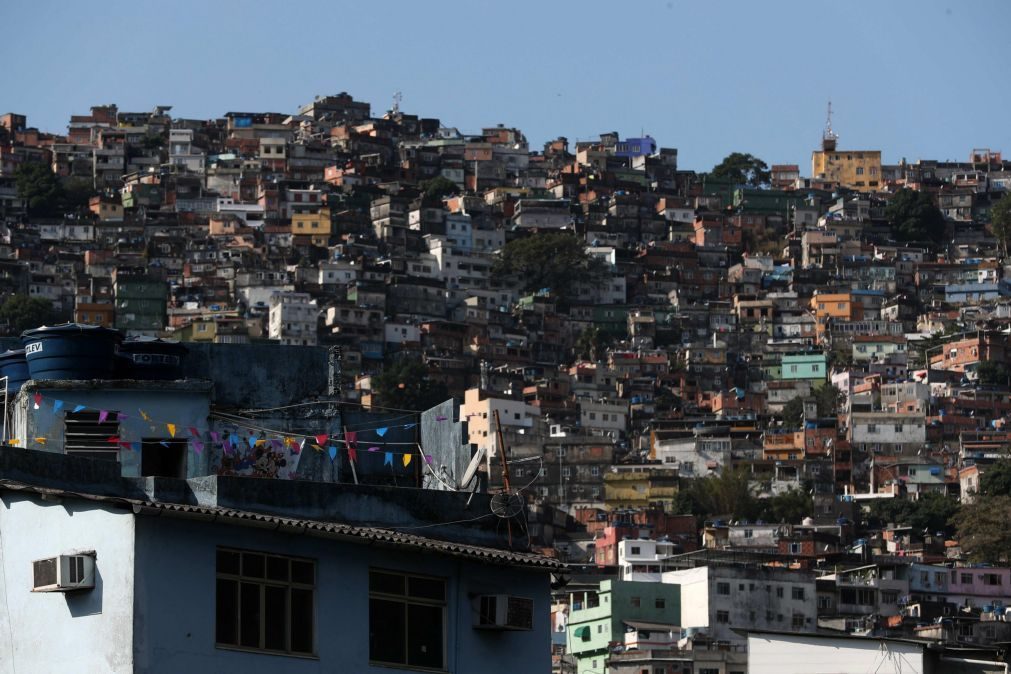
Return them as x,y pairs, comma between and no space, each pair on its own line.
915,79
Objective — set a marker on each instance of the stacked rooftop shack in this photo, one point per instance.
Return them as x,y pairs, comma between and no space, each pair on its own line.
349,239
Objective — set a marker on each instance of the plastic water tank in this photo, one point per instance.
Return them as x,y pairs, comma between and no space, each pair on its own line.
14,366
71,351
155,358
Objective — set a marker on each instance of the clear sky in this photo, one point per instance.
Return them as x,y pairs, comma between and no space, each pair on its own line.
919,79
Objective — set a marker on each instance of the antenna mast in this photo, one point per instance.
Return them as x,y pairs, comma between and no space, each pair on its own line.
829,137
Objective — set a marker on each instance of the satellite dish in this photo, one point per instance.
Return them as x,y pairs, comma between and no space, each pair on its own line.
507,505
475,463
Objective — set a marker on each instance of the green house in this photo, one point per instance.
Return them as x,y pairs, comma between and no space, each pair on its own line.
596,620
812,366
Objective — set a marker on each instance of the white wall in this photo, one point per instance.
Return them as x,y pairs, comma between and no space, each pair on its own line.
694,595
86,631
788,654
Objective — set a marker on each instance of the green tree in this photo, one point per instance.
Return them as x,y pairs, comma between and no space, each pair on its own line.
727,494
930,512
743,169
992,373
555,260
793,412
983,532
405,384
20,312
996,479
37,184
438,187
829,398
591,343
790,507
914,217
1000,222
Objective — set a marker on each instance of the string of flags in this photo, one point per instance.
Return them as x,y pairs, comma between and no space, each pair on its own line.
232,444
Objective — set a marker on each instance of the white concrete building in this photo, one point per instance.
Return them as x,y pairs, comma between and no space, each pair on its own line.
293,319
479,409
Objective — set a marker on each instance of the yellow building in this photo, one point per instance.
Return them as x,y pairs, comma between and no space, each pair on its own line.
317,225
640,487
856,169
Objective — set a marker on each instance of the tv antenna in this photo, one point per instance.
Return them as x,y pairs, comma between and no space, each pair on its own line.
397,97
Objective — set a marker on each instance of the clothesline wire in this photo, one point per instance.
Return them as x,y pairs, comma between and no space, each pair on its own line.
245,423
332,402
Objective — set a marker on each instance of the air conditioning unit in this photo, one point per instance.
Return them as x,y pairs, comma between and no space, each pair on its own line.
505,612
64,573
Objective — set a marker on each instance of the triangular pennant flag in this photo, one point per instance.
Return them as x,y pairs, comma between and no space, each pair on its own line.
144,416
194,432
38,400
163,443
124,445
408,426
252,441
102,416
298,449
121,417
381,431
215,437
57,406
198,446
78,408
321,439
407,459
333,452
373,449
41,441
428,459
234,439
113,439
171,430
353,454
441,418
388,460
227,446
278,445
15,441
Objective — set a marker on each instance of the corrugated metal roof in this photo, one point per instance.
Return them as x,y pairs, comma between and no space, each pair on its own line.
365,535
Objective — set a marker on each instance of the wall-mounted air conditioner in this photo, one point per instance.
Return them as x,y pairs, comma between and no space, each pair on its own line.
63,573
504,612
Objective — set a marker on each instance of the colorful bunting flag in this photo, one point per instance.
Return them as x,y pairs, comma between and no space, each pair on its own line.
227,446
352,454
40,441
38,400
381,431
171,430
143,415
102,416
252,441
333,452
321,439
163,443
198,446
407,459
114,439
428,459
409,426
215,437
78,408
234,439
121,416
441,418
388,460
57,406
194,432
373,449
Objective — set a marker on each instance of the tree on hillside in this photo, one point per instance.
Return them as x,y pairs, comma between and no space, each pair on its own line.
996,479
555,260
992,373
1000,222
982,529
40,187
930,512
438,187
727,494
20,312
405,384
914,217
743,169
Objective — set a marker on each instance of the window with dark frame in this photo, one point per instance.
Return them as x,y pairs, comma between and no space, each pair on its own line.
265,602
407,619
